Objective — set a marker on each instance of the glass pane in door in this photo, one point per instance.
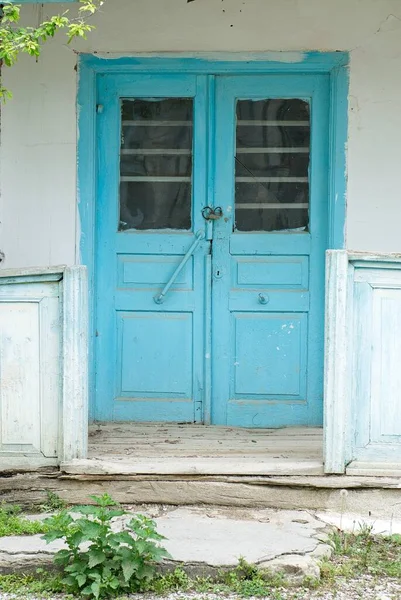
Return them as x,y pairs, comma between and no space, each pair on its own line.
156,164
272,165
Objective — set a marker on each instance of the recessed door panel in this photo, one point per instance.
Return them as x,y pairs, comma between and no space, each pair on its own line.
270,356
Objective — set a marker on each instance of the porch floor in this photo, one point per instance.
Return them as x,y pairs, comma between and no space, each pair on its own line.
162,448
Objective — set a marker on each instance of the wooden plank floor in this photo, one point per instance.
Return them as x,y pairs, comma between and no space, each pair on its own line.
162,448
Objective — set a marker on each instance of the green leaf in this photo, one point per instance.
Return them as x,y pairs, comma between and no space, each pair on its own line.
96,557
123,537
51,536
81,579
140,546
105,500
114,583
11,13
62,557
90,530
76,567
116,513
95,587
76,539
146,572
159,553
87,510
128,567
69,581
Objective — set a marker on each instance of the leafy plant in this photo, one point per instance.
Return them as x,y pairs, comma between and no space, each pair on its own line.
12,523
16,40
99,562
52,503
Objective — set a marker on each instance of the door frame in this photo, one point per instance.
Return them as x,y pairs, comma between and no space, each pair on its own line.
89,67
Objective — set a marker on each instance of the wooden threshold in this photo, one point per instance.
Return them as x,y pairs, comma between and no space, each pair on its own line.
191,449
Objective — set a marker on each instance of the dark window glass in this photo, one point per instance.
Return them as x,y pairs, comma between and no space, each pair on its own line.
156,164
272,165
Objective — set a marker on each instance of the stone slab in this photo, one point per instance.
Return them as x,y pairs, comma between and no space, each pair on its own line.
204,539
219,537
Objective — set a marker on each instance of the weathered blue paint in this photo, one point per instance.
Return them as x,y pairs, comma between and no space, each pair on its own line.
220,62
290,304
149,354
268,357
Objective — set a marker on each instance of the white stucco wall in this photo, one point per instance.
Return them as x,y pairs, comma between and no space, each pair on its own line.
38,151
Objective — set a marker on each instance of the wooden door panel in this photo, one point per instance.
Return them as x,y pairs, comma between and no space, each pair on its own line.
149,350
268,250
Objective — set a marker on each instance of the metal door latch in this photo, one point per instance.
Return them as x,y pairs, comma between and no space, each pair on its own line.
212,214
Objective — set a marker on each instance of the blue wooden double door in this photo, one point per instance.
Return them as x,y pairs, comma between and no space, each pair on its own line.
211,231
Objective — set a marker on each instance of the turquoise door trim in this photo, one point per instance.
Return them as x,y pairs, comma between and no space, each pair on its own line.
91,67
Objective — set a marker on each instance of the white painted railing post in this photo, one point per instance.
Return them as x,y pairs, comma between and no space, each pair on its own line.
74,425
336,370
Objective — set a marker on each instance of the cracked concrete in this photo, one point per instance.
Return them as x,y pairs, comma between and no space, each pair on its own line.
205,539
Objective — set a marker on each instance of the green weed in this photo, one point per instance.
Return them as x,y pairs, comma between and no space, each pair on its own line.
39,583
363,553
13,523
112,562
52,503
245,580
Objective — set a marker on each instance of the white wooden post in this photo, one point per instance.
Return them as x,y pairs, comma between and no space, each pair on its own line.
74,439
336,371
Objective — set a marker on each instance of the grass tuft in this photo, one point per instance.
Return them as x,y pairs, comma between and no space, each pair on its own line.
245,580
363,553
38,583
12,523
52,503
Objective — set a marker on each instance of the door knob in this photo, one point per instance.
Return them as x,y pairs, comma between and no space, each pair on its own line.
263,299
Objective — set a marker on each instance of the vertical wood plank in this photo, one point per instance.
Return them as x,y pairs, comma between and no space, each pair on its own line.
336,377
339,86
385,404
86,194
50,374
361,362
74,442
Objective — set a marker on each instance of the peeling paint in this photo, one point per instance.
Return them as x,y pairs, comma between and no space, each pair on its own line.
286,57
